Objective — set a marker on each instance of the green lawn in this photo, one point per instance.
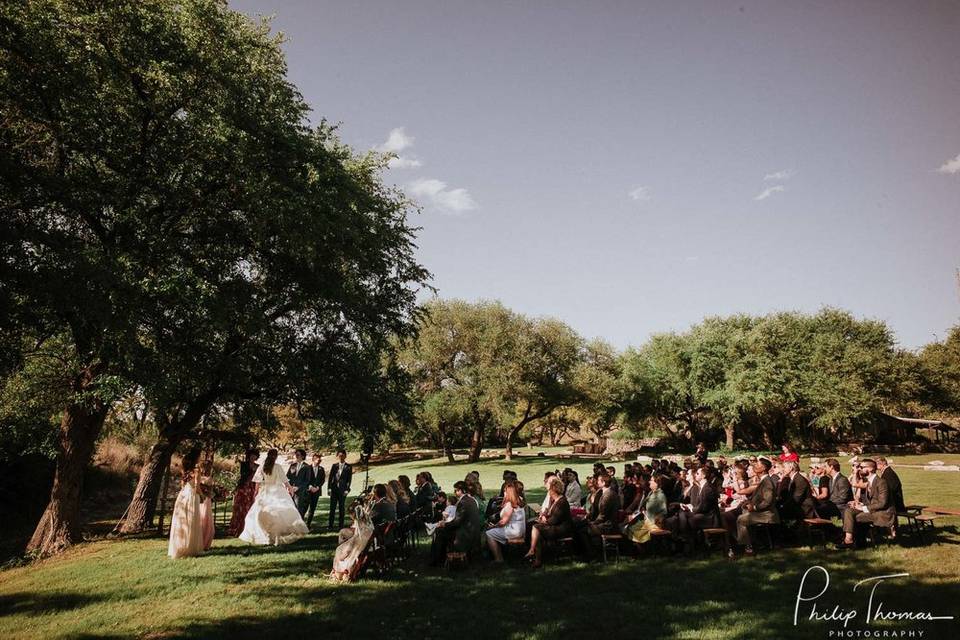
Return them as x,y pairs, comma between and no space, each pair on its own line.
129,588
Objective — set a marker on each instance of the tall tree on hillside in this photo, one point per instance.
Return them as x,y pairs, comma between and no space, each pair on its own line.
166,205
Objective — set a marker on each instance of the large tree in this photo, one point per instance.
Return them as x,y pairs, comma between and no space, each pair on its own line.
167,206
460,364
543,360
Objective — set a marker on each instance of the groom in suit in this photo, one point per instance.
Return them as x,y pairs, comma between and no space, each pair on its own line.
316,488
300,475
338,485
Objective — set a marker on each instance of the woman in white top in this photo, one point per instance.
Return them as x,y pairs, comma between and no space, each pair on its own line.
512,524
273,518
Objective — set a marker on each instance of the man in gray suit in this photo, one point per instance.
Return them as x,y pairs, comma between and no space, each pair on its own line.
879,509
840,493
762,507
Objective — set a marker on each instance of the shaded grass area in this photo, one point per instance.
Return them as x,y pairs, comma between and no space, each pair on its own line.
129,588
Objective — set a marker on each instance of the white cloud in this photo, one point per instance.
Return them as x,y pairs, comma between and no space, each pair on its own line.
950,166
640,194
403,162
766,193
397,141
779,175
436,194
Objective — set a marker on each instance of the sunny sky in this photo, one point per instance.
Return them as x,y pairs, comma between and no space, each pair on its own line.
631,167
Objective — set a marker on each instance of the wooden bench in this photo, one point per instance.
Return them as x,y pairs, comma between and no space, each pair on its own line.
941,511
818,526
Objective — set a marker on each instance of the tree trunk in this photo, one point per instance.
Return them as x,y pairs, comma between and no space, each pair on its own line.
728,429
59,526
143,505
445,442
476,442
508,449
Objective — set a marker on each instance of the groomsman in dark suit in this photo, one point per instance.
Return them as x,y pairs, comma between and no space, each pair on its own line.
338,486
300,476
316,487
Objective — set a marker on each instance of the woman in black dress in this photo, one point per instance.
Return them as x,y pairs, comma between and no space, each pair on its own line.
553,523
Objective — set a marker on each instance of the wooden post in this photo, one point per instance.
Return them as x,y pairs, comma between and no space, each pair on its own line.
163,499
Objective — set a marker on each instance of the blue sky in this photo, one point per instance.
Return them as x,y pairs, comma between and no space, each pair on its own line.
633,167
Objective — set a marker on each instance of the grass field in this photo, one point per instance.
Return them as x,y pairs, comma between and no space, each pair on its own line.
129,588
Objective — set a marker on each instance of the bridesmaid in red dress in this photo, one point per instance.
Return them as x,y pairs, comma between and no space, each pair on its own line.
246,492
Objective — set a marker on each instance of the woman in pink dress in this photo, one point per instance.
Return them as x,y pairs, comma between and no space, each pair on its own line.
206,505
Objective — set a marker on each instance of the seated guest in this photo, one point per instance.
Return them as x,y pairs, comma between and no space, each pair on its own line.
839,492
591,494
761,508
403,499
641,489
572,489
885,471
702,512
382,511
511,525
653,510
628,490
796,502
878,508
425,495
463,532
614,483
818,483
553,523
449,508
740,491
603,518
546,485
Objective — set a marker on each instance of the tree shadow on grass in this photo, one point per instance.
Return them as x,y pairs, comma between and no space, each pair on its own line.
42,603
654,597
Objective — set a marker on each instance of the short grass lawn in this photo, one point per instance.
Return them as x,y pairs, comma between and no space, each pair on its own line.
129,588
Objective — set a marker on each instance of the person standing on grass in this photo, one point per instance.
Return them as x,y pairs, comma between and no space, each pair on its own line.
316,487
338,486
186,525
300,477
246,492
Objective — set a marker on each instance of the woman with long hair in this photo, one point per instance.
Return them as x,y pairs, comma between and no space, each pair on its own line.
246,491
273,518
512,524
186,525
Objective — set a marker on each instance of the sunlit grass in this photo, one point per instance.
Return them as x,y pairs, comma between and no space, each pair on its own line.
130,588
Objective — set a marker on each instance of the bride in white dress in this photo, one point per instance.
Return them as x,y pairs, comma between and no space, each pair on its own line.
273,518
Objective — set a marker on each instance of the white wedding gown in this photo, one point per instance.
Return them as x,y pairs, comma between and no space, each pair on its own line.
273,518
